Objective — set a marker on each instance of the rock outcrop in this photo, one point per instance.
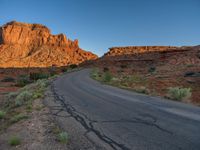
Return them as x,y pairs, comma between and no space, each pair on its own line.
33,45
115,51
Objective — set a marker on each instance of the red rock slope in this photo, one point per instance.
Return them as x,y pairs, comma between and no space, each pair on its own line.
33,45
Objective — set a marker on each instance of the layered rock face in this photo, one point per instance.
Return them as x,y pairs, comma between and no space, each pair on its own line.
33,45
115,51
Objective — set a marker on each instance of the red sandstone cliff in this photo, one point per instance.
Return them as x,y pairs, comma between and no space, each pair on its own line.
33,45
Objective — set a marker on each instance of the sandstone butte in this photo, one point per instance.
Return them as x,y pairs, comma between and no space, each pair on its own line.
33,45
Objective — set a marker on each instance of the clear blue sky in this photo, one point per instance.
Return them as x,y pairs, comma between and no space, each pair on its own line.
100,24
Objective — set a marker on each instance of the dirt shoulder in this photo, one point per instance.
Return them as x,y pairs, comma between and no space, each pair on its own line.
38,132
27,123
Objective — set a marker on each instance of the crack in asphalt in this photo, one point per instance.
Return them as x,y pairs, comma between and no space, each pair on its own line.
89,127
89,124
140,121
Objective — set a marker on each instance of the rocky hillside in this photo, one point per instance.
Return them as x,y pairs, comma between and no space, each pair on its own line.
33,45
154,69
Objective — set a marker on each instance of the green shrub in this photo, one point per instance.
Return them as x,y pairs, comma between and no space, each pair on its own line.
42,84
107,76
2,114
14,141
23,97
18,117
12,95
23,80
95,73
36,76
178,93
152,70
37,94
63,137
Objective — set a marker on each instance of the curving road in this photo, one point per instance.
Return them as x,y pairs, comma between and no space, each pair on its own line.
127,120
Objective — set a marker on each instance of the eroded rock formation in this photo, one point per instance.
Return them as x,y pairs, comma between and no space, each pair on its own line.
33,45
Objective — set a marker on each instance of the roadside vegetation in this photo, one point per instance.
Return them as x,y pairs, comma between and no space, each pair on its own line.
179,94
14,141
138,83
133,82
63,137
17,105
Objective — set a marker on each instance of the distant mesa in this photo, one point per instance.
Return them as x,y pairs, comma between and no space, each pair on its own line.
129,50
33,45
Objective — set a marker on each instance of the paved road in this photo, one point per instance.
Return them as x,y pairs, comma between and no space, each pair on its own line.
127,120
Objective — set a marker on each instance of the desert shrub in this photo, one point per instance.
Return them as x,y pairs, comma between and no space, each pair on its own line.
107,76
8,79
14,141
178,93
152,70
142,89
23,97
2,114
37,94
18,117
12,95
73,66
42,83
95,73
23,80
63,137
36,76
40,88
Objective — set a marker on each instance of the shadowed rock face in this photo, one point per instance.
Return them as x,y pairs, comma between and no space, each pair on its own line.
33,45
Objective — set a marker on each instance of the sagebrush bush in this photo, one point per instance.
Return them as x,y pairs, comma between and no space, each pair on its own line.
2,114
12,95
14,141
95,73
63,137
18,117
42,83
107,76
23,97
178,93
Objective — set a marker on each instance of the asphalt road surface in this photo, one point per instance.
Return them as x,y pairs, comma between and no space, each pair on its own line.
128,120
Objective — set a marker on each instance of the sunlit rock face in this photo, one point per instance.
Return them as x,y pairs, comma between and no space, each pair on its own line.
33,45
114,51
